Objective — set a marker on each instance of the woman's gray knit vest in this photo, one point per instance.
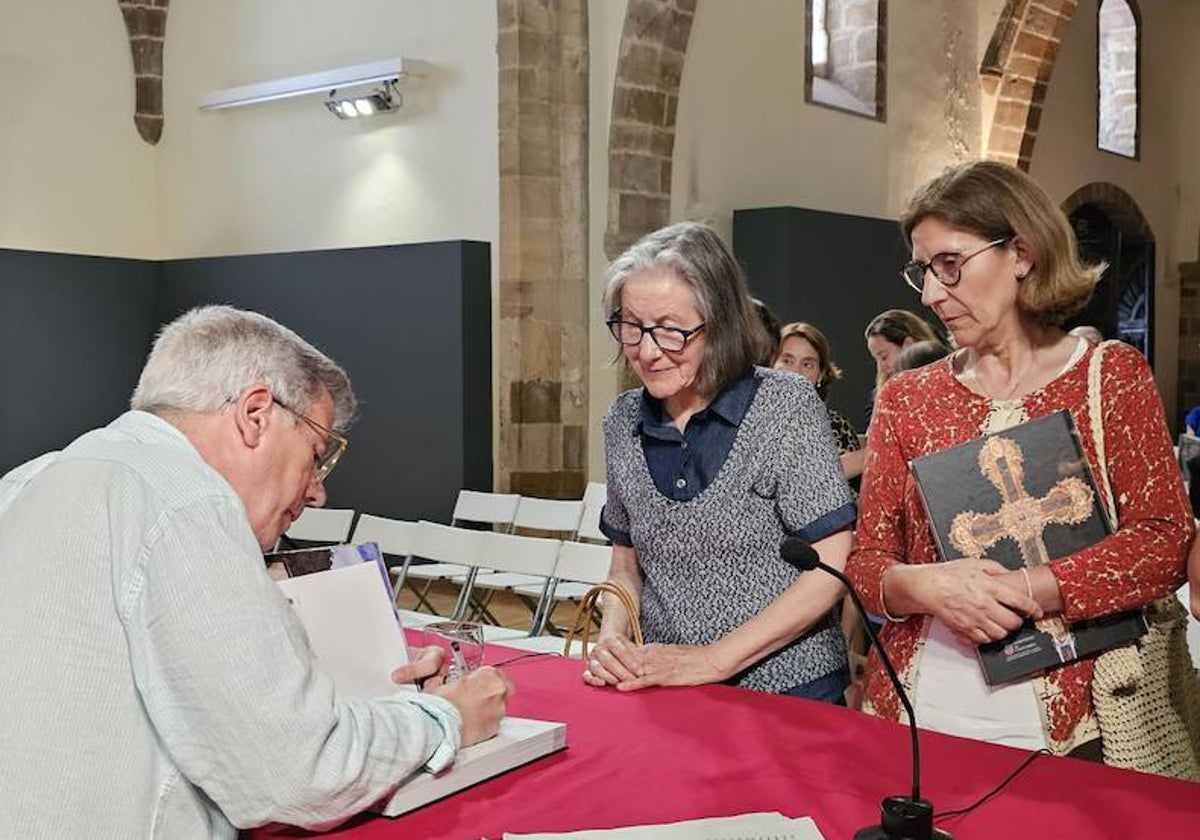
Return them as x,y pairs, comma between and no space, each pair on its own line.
711,563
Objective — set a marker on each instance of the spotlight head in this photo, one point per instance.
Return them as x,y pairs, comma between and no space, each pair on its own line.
349,104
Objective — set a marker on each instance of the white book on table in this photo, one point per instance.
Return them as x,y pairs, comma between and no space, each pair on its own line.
348,612
764,826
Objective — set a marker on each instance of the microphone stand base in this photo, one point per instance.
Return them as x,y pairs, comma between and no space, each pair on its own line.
878,832
903,818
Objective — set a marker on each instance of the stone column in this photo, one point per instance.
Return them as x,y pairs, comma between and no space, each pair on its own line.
542,342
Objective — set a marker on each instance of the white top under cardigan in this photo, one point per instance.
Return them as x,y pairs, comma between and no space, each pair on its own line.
155,683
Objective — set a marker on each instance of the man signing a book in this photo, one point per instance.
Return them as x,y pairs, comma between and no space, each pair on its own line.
158,685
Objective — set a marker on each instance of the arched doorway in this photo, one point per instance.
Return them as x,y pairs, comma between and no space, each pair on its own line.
1110,227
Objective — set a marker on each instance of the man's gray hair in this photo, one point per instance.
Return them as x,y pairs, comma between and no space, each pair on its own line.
207,357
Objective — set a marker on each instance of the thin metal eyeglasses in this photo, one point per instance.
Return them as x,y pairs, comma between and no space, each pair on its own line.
668,339
335,444
946,266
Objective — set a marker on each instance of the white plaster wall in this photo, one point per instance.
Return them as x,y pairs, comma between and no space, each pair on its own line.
76,176
746,137
606,18
1065,156
289,176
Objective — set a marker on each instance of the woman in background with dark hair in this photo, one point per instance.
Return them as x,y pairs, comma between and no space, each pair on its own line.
710,465
890,332
803,349
918,355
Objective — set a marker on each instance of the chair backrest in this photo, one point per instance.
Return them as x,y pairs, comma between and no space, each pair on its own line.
447,544
393,536
583,562
589,526
596,493
557,515
522,555
329,525
477,506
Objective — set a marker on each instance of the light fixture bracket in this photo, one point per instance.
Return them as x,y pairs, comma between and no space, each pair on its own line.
387,71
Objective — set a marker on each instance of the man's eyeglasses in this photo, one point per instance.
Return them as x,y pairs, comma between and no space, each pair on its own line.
669,339
946,266
335,444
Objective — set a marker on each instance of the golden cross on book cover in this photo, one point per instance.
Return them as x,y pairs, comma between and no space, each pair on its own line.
1023,497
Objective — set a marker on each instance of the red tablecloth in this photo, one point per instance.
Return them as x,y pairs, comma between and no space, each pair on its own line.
671,754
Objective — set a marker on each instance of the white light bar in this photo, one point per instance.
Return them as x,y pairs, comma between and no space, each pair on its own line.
323,82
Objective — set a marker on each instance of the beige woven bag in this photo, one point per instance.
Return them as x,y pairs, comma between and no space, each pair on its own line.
582,626
1145,694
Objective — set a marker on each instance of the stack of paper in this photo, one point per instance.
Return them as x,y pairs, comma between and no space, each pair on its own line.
743,827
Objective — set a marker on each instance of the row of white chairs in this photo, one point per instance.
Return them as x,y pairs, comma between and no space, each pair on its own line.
547,570
540,571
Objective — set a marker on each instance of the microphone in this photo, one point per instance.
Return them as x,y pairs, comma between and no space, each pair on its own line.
901,817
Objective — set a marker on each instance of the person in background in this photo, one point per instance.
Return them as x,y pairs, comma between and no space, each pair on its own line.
995,258
159,683
803,349
710,464
919,354
1088,333
890,332
771,325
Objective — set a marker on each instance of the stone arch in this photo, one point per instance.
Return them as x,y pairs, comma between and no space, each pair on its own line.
1114,201
1016,71
146,23
641,139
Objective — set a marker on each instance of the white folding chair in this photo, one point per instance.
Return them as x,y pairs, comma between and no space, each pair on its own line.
471,506
589,526
485,508
512,560
395,537
454,553
560,516
324,525
595,494
580,566
1193,629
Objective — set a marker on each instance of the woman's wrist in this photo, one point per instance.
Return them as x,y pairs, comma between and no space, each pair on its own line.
889,585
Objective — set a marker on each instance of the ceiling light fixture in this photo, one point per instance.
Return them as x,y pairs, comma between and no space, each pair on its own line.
386,73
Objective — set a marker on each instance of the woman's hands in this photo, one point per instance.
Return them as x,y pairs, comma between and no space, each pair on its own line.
979,600
617,661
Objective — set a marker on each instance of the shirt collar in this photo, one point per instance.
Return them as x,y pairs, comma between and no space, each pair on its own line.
730,405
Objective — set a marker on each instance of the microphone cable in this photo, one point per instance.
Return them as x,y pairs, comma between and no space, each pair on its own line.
945,815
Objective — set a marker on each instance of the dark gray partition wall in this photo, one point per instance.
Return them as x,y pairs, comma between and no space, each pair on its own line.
73,335
835,271
410,323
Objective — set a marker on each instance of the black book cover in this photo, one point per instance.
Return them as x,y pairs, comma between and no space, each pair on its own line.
1023,497
305,561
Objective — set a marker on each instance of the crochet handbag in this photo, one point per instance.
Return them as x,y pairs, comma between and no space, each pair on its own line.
582,626
1146,694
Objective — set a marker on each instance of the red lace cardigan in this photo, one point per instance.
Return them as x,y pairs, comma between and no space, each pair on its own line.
927,410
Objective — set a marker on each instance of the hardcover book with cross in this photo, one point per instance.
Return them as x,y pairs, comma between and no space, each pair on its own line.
1023,497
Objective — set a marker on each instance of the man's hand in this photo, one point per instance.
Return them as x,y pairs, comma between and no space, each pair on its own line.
481,698
426,668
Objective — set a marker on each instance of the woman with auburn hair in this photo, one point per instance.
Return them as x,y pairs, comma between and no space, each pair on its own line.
996,260
803,349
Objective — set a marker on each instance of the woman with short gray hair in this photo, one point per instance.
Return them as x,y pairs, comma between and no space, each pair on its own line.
710,465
